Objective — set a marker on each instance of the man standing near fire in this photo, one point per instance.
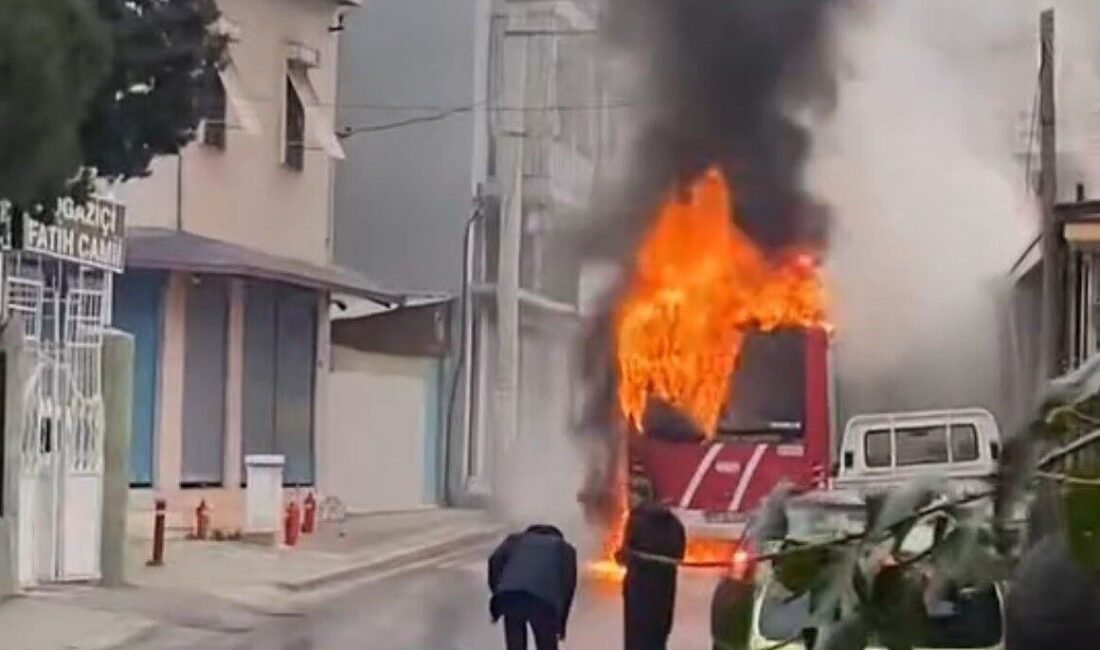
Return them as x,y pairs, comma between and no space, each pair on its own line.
652,550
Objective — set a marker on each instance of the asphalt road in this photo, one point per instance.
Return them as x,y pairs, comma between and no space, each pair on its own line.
443,606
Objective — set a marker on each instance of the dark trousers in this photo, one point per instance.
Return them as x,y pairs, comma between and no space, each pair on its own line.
642,635
521,613
649,597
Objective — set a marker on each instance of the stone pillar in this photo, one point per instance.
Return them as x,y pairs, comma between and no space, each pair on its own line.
169,437
234,387
118,380
322,446
14,373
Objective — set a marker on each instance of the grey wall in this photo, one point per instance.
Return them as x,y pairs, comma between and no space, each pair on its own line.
403,195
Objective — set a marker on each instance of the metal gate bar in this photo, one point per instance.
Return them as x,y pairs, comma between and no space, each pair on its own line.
65,307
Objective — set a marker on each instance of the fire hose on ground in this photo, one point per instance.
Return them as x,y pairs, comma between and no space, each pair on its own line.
669,561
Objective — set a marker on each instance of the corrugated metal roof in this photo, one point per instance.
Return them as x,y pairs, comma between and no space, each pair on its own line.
346,307
173,250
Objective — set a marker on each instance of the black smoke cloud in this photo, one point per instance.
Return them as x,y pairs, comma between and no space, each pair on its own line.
719,83
723,78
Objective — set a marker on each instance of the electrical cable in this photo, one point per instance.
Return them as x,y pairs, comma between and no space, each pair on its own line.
458,110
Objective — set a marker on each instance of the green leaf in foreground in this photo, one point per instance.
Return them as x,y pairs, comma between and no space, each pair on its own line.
900,506
897,604
731,614
1082,509
801,568
833,595
848,634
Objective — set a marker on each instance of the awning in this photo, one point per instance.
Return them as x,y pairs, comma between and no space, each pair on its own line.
246,113
318,122
173,250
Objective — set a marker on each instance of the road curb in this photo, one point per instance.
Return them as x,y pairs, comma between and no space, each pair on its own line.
391,562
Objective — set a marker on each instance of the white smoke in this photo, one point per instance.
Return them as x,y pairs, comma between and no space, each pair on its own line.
924,164
540,467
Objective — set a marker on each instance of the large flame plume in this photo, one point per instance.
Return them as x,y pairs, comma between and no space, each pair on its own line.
699,285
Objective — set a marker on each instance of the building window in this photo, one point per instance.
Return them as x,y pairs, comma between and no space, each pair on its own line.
308,120
576,97
294,128
214,112
279,360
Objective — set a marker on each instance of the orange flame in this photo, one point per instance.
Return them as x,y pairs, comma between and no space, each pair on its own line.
699,285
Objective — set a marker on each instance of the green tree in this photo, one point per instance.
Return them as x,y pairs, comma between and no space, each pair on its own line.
151,101
53,57
98,88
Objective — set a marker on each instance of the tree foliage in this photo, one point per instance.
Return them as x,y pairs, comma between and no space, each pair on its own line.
97,88
151,102
53,56
865,586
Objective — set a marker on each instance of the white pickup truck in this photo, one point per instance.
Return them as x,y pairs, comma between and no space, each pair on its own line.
880,451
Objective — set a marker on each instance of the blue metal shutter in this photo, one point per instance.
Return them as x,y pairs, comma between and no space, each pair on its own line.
137,309
204,382
296,351
258,394
280,354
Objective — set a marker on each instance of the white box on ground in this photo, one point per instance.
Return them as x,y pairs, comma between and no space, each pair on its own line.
264,496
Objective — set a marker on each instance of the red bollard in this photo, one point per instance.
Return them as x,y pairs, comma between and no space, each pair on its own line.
202,520
158,533
309,514
292,525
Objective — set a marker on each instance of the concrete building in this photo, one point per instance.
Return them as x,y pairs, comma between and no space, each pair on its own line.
228,269
386,405
469,161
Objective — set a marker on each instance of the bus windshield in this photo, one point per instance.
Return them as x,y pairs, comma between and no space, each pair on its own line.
767,392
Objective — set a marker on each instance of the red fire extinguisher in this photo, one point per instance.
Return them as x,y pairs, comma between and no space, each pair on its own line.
309,514
292,524
202,520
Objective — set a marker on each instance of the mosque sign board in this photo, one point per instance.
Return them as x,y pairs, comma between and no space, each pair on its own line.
92,233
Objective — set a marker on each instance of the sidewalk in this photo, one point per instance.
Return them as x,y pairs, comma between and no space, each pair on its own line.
226,587
32,623
279,579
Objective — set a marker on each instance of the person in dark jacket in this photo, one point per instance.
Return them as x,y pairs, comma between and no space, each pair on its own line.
649,589
533,578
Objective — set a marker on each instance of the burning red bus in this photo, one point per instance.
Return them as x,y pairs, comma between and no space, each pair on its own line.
776,427
721,369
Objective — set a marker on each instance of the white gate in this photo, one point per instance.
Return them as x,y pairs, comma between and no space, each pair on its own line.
65,307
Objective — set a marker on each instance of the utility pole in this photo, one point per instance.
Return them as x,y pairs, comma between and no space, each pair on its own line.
1050,318
510,155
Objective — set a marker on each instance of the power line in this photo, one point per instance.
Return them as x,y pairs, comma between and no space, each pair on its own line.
495,109
389,126
463,107
459,110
